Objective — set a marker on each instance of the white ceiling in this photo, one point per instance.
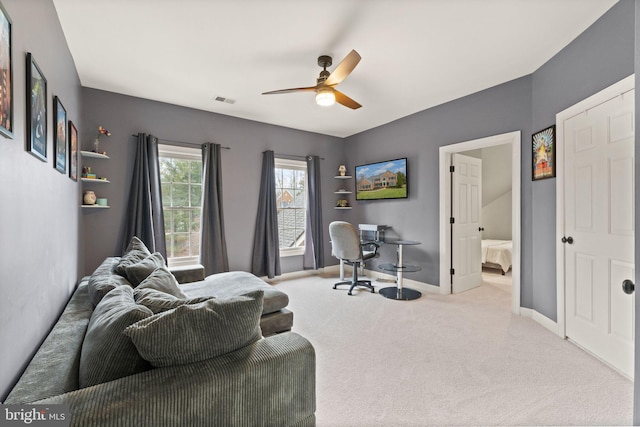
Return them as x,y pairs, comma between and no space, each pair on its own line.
415,53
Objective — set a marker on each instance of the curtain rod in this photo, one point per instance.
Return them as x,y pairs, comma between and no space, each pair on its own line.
182,142
292,156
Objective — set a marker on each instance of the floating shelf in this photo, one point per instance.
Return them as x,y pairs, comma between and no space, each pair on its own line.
93,154
342,192
95,207
343,177
92,180
343,207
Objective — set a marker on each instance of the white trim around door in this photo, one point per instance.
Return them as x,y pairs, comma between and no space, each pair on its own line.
599,98
513,138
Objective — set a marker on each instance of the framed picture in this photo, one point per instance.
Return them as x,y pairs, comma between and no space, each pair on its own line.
36,110
73,151
60,136
544,153
6,75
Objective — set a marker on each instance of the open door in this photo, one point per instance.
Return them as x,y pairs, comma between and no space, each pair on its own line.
466,223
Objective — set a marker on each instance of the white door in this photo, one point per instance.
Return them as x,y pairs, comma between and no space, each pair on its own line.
466,206
599,230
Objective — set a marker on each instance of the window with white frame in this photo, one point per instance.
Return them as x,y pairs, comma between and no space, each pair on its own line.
181,180
291,204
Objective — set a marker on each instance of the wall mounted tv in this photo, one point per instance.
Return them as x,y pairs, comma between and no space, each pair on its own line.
382,180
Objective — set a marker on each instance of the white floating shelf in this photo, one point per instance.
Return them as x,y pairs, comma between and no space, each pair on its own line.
343,177
95,207
343,207
93,154
342,192
92,180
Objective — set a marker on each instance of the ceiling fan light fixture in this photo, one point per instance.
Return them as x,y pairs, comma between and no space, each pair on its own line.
325,97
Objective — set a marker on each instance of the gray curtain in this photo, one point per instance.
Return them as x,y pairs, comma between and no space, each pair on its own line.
313,236
265,260
144,217
213,245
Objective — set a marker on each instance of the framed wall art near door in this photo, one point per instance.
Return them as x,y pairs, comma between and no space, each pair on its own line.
73,151
36,110
6,75
543,146
60,136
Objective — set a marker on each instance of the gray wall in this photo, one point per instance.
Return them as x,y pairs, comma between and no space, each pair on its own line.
39,212
125,116
497,110
599,57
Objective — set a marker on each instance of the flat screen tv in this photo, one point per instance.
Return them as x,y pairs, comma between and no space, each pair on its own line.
382,180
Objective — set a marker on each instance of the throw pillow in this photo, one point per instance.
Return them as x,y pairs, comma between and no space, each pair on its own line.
158,301
191,333
108,354
140,270
104,280
135,252
162,280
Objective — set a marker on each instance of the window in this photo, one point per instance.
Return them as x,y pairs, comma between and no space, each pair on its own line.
291,204
181,180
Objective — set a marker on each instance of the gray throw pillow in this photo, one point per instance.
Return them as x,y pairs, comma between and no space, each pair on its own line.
135,252
158,301
107,353
191,333
162,280
104,280
140,270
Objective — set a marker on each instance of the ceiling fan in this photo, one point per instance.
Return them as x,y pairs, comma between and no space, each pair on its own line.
326,94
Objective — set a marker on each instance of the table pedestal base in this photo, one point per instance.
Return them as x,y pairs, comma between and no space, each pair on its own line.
403,294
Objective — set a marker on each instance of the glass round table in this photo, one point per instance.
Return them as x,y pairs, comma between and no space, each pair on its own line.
399,292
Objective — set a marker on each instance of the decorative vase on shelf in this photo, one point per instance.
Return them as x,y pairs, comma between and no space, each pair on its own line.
89,197
343,170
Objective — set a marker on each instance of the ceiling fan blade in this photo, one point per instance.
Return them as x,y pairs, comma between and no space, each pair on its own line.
295,89
343,99
344,68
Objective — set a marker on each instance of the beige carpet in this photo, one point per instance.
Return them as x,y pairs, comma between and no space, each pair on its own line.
447,360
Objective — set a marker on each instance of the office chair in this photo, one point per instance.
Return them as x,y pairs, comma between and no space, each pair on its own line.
347,247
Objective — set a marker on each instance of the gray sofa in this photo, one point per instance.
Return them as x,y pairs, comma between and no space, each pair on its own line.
267,382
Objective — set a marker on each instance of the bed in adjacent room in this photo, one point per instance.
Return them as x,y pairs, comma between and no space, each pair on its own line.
497,254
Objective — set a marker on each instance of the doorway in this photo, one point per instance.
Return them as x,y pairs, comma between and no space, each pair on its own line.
445,155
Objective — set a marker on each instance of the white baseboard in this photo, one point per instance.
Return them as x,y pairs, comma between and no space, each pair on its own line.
541,319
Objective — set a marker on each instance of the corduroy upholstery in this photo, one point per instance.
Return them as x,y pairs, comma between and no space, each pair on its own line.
270,382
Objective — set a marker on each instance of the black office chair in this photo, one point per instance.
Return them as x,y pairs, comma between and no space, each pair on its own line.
347,247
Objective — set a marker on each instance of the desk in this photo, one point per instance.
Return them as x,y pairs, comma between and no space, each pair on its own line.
399,292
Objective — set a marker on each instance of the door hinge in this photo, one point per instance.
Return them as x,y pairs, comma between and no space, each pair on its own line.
452,168
452,220
452,271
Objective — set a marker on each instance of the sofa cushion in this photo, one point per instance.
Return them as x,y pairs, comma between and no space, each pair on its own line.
140,270
104,280
136,251
107,353
162,280
191,333
226,285
158,301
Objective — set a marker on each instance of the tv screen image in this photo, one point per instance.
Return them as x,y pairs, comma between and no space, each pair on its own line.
382,180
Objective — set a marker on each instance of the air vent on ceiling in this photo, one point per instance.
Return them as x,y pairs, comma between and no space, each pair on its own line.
223,99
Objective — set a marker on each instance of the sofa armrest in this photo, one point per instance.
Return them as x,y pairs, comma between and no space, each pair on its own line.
188,273
270,383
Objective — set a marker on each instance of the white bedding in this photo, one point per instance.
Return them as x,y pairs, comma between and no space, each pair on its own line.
497,252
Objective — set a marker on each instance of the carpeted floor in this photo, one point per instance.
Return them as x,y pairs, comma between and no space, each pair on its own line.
447,360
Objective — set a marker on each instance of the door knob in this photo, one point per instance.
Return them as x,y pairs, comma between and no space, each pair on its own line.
568,240
481,229
628,286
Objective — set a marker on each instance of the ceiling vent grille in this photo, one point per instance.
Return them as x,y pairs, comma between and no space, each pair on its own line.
225,100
